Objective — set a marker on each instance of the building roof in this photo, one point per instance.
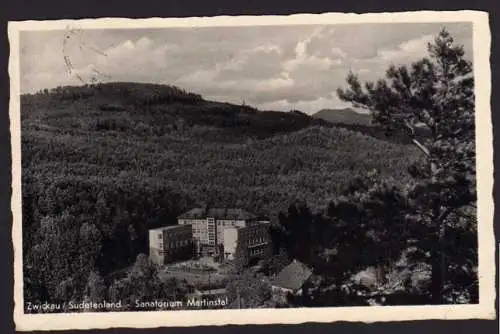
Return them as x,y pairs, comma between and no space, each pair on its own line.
169,227
193,213
217,213
293,276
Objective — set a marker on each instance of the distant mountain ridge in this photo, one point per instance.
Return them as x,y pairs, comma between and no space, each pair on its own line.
343,116
362,123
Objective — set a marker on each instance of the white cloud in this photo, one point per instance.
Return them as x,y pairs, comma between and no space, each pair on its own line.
268,48
304,59
407,51
275,83
403,53
270,67
338,52
199,78
313,62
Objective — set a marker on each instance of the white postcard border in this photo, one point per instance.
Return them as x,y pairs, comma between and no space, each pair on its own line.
484,150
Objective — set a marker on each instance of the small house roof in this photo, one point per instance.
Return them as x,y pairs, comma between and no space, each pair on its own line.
193,213
293,276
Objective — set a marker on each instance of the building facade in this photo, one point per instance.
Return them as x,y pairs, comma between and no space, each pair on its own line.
208,226
248,243
171,243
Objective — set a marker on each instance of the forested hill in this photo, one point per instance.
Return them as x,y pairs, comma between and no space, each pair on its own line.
150,109
225,153
109,161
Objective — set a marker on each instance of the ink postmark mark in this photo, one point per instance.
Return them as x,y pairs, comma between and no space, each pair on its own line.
77,50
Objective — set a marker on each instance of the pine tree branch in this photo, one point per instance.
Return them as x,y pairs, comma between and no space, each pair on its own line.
414,140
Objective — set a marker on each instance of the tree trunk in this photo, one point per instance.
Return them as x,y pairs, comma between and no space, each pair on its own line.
437,253
438,262
437,277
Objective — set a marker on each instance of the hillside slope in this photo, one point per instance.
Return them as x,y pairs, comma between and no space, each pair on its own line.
195,144
363,123
119,159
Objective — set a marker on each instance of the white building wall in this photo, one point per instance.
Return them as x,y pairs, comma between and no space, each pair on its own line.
156,246
156,238
223,224
230,241
216,235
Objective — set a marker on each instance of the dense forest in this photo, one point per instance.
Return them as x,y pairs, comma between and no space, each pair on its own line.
103,163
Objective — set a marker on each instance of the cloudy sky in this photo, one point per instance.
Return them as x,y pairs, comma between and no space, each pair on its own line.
270,67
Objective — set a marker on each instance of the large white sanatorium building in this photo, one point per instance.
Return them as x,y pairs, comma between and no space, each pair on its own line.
209,226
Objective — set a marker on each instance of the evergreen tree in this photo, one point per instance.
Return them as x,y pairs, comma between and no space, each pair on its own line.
251,289
435,94
95,290
143,284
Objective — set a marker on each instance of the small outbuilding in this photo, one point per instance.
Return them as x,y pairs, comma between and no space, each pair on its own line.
291,279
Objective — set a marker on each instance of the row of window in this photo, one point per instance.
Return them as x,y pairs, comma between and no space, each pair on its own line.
162,253
257,251
204,228
256,241
173,235
226,223
178,243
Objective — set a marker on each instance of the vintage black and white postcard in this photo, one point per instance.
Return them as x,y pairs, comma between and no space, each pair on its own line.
252,170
